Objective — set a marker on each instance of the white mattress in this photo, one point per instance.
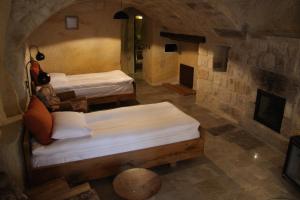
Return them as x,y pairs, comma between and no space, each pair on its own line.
93,84
121,130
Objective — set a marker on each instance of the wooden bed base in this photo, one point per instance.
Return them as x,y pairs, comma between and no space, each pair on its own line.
113,98
103,99
89,169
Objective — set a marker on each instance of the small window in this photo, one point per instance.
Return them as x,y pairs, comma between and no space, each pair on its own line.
220,58
171,48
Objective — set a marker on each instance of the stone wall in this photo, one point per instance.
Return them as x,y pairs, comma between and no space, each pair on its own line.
11,155
25,16
176,15
4,16
271,64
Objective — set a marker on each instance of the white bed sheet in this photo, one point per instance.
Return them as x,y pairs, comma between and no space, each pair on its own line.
121,130
94,84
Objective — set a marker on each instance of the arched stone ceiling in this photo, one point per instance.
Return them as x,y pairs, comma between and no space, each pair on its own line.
25,16
266,17
199,17
185,16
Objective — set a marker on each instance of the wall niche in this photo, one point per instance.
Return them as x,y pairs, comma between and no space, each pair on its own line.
220,58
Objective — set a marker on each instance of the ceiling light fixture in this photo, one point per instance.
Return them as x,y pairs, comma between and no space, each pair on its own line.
121,14
139,17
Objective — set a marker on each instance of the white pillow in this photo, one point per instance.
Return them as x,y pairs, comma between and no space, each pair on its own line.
58,77
69,125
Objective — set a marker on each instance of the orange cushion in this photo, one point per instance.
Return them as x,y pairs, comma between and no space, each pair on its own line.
39,121
34,71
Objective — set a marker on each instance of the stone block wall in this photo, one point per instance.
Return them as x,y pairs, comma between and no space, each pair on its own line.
271,64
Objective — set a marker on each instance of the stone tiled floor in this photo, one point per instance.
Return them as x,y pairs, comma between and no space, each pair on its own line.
235,166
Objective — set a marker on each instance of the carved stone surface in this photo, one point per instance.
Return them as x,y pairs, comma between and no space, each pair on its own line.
199,17
269,64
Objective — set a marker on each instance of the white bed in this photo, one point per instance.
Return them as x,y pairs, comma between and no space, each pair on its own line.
121,130
90,85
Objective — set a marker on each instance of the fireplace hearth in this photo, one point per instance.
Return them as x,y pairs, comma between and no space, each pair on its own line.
269,110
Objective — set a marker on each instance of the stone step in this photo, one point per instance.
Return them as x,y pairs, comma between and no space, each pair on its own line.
49,190
57,189
76,191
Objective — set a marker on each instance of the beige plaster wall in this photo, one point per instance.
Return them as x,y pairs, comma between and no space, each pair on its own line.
94,47
189,56
159,66
163,67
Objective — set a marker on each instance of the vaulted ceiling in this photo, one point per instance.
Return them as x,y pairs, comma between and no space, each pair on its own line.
218,20
203,17
212,18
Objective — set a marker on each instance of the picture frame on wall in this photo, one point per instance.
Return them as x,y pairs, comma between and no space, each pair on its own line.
72,22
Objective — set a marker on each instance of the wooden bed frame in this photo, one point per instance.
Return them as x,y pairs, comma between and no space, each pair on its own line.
89,169
113,98
103,99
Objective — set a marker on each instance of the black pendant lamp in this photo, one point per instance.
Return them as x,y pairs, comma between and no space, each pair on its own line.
121,14
39,56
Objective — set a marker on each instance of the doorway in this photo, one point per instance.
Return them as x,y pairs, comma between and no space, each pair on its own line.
138,43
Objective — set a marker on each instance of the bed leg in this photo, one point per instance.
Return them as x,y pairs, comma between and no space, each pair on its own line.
173,164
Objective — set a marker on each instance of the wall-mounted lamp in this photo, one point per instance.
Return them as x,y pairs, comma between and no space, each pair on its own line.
39,56
121,14
34,66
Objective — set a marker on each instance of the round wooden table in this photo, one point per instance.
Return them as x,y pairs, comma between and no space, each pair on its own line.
137,184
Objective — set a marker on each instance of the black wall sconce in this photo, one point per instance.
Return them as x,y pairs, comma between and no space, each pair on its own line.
121,14
39,56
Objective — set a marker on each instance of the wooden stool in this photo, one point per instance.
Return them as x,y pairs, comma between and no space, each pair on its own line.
137,184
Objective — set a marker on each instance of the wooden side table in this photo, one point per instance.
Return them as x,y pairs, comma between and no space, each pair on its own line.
137,184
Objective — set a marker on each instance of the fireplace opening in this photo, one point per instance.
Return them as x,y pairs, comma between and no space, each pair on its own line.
186,76
269,109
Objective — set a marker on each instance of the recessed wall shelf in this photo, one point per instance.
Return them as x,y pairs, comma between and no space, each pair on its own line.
220,58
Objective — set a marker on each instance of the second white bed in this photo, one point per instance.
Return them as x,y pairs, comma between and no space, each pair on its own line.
121,130
93,84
